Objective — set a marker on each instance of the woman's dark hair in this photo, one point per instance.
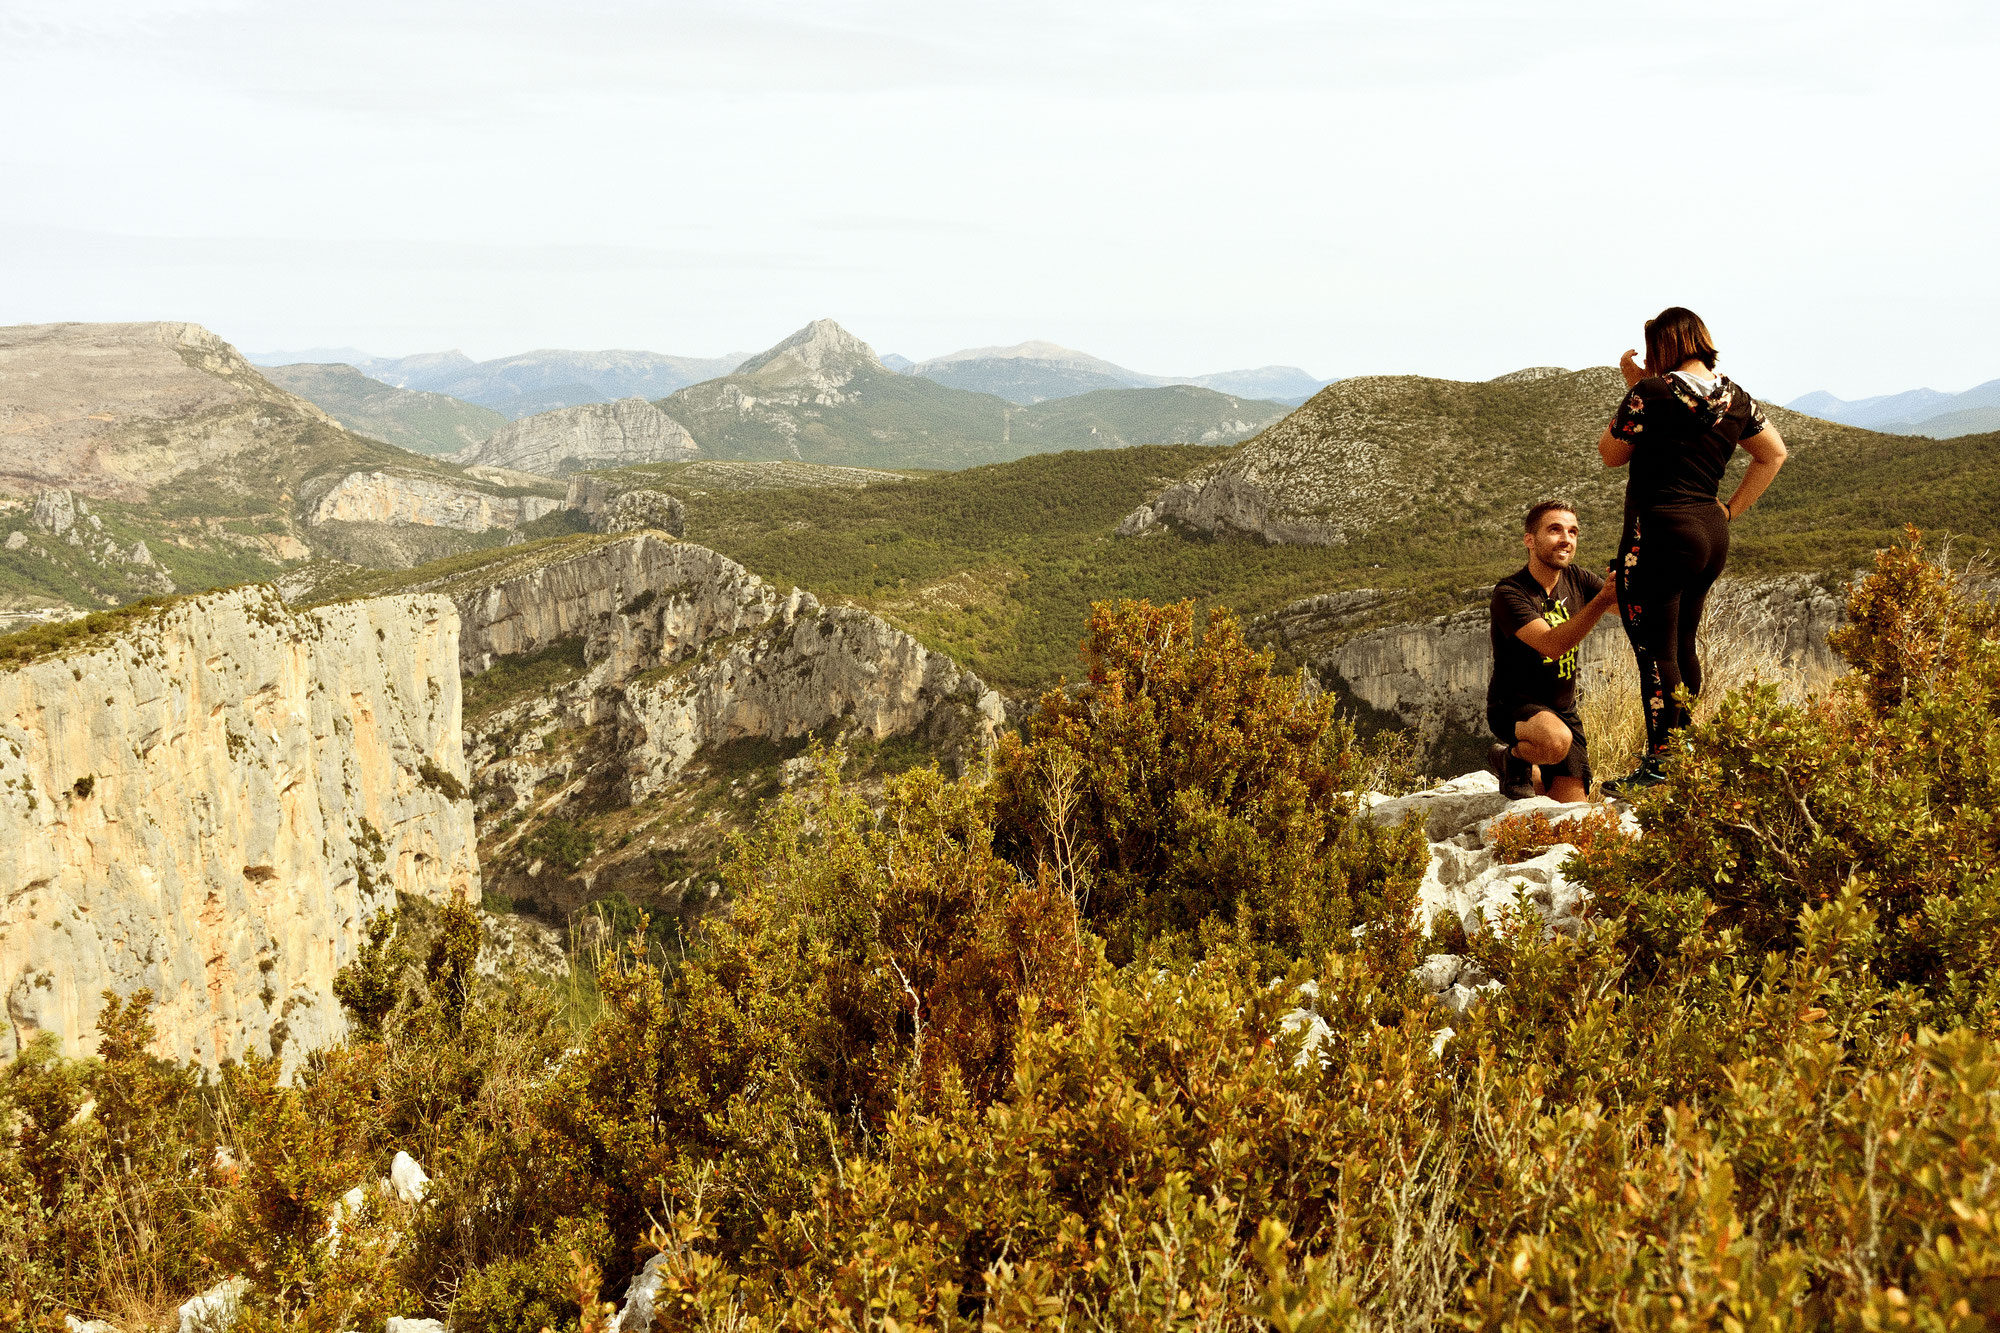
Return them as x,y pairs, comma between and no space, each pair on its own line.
1545,507
1674,337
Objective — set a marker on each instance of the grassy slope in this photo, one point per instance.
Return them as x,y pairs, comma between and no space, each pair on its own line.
226,522
426,423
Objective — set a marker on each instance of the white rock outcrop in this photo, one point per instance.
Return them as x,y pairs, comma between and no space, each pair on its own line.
1467,879
215,1310
553,444
210,802
407,1180
430,502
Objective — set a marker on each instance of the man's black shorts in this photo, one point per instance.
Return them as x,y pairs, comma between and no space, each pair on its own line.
1576,764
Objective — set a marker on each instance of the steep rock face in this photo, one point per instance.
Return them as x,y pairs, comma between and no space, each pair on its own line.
393,498
807,667
1431,675
637,603
211,802
554,444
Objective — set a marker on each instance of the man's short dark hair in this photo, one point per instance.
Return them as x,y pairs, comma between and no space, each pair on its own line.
1545,507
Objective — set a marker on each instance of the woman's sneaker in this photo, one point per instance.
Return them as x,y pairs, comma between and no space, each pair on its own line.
1517,780
1648,774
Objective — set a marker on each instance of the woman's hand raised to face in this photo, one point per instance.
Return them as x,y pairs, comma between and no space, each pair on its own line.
1629,367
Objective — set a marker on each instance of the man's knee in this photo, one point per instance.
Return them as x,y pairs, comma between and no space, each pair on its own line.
1544,739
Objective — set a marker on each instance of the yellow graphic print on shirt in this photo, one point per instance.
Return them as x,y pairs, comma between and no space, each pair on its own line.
1556,611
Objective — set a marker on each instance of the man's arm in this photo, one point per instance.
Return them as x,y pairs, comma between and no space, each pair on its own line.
1554,640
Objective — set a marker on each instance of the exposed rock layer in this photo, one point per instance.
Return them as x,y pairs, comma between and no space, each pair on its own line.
210,803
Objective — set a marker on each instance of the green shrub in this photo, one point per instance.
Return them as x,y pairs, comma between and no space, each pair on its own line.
562,841
1188,792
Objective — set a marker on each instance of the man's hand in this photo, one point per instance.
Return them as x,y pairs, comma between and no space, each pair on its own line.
1629,367
1608,594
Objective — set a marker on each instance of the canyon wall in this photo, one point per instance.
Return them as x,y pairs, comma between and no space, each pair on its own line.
210,801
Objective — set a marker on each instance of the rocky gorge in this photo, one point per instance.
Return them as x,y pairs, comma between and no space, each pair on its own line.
600,668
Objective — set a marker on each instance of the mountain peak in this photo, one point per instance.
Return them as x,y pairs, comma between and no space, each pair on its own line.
827,354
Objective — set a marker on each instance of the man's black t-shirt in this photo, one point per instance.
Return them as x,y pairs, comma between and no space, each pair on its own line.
1682,432
1520,674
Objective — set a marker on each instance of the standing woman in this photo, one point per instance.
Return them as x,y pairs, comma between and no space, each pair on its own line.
1677,428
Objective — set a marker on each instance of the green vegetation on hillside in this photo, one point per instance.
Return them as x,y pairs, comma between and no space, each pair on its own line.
1129,1037
425,423
882,419
996,565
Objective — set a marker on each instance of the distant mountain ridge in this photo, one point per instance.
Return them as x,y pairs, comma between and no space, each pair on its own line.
823,396
1036,371
1913,412
415,419
177,465
529,382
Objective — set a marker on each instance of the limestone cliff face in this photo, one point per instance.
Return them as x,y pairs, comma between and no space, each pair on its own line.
391,498
557,443
211,802
1431,674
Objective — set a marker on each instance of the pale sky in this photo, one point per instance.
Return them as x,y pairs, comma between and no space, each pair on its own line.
1454,189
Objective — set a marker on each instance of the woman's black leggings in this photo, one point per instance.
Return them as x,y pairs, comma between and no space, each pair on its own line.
1668,559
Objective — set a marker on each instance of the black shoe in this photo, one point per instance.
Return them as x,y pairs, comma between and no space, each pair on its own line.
1647,775
1517,780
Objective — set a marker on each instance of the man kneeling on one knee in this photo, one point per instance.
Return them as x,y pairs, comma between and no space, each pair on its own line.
1540,615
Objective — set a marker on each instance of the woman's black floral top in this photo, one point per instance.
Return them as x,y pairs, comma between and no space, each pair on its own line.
1682,434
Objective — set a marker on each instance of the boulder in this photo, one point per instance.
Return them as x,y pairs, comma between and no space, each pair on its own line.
407,1179
1448,809
215,1310
636,1314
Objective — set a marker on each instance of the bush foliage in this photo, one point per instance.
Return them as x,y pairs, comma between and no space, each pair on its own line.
1009,1054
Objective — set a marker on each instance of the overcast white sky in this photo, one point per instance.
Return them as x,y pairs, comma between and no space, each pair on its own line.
1453,189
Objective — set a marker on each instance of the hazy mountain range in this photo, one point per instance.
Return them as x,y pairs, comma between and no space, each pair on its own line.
1915,412
542,381
821,395
529,382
